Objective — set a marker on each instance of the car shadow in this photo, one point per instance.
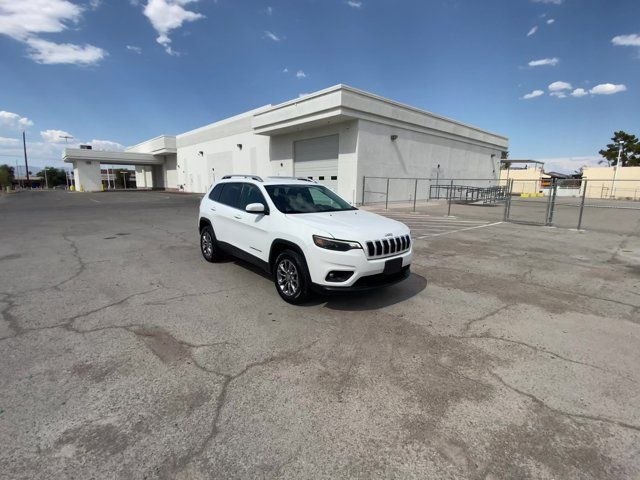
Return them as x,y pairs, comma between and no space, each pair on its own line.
353,301
379,298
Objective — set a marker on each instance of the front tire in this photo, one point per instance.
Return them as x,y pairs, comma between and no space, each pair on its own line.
292,278
208,246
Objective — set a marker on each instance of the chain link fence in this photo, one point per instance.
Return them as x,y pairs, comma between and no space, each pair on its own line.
598,205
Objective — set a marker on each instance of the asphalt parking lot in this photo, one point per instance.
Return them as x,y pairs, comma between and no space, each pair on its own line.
511,352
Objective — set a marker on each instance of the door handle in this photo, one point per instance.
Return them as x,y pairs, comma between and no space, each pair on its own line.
238,217
213,208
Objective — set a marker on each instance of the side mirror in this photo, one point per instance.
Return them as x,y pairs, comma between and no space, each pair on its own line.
255,208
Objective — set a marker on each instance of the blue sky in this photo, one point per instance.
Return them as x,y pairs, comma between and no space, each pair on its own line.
117,72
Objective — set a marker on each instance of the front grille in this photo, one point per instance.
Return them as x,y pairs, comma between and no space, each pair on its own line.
386,247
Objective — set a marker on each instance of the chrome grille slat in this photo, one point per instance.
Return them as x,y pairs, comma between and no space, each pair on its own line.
388,246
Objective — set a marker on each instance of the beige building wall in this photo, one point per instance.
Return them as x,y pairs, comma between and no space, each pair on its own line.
525,180
600,182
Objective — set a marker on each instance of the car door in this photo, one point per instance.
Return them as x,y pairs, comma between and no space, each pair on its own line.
227,214
254,227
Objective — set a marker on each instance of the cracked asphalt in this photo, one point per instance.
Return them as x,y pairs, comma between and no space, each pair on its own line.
512,352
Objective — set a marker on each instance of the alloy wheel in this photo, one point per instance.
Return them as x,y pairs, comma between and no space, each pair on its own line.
206,243
287,277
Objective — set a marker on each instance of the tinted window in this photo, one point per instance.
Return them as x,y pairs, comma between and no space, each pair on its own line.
306,199
230,194
215,193
251,194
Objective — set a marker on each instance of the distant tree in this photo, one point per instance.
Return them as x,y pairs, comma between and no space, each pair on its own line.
55,176
6,175
505,165
504,155
630,150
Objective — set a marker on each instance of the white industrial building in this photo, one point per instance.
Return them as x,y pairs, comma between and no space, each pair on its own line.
337,136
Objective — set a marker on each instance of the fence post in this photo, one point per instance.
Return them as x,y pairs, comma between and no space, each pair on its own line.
552,202
507,199
584,193
364,182
386,200
415,194
450,195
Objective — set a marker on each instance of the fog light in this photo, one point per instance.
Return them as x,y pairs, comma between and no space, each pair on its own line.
338,276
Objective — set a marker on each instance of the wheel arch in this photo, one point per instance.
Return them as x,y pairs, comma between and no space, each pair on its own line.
278,246
203,223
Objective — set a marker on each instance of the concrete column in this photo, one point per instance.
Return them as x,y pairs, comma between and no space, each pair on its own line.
87,176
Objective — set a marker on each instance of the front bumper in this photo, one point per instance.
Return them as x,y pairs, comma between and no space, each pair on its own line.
320,262
366,283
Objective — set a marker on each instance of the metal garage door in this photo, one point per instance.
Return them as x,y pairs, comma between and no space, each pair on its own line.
317,158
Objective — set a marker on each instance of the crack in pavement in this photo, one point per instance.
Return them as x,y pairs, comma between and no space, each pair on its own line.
486,336
75,253
569,415
222,396
197,294
467,325
543,287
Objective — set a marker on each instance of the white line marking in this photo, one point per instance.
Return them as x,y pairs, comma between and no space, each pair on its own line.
94,200
461,230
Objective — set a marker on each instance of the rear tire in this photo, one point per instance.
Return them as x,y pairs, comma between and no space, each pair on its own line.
291,277
208,245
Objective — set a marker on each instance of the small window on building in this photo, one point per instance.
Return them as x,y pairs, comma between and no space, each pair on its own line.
334,177
310,178
321,177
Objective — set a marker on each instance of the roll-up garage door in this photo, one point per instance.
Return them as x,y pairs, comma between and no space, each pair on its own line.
317,158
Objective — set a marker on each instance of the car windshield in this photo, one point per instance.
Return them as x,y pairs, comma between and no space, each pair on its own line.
306,199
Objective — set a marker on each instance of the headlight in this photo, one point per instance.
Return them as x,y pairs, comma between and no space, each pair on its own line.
333,244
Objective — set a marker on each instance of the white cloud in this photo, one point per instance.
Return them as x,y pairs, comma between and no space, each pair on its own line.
269,10
134,49
285,70
632,40
569,164
301,74
24,20
55,136
579,92
13,120
559,94
533,30
20,19
607,89
554,2
303,94
271,36
354,3
534,94
9,142
50,53
544,61
168,15
559,86
106,145
551,21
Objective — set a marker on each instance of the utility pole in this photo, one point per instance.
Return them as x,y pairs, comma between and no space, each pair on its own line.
26,162
615,173
46,180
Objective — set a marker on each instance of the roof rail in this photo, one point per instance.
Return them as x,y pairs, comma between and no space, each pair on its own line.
252,177
303,179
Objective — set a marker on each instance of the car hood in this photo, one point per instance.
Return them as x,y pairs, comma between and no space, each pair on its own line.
358,225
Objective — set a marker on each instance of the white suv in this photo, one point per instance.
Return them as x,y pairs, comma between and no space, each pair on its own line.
303,234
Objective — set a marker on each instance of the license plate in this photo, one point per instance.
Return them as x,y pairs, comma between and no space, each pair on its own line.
392,266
